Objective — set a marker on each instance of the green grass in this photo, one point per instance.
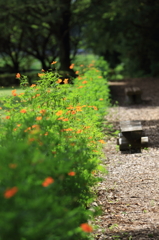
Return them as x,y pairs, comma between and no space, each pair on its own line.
4,92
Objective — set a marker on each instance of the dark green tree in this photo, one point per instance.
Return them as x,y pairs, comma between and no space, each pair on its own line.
48,27
125,31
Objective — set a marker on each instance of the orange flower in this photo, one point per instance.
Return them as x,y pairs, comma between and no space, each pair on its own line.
84,82
99,76
31,139
7,117
59,80
18,125
79,131
101,141
95,108
41,74
73,112
71,173
53,152
90,65
0,107
72,144
65,81
66,130
36,126
77,72
23,111
15,129
47,181
42,70
65,119
80,86
38,118
37,95
43,111
21,94
78,108
101,99
71,66
60,118
29,128
12,165
69,129
86,227
59,113
70,107
14,92
86,127
68,112
10,192
46,133
18,75
54,62
33,85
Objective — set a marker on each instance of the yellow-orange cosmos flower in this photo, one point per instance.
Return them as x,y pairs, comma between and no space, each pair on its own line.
18,75
59,113
23,111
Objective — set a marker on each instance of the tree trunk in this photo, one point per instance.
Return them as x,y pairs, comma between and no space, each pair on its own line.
43,64
16,70
64,38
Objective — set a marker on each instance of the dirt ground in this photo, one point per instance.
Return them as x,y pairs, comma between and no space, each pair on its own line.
129,194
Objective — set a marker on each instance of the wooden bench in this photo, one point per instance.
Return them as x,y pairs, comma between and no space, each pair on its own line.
133,95
131,136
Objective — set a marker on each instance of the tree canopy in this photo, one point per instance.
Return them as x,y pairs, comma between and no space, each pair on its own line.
119,30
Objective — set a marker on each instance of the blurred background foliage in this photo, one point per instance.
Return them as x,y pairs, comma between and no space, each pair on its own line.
36,32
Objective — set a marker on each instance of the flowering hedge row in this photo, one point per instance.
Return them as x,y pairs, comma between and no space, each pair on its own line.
50,145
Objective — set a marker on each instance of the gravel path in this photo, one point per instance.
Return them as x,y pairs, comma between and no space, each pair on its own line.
129,194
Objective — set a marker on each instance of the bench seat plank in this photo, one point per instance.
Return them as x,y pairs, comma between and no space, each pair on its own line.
129,126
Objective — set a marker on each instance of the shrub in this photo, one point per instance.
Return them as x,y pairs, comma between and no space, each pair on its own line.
50,147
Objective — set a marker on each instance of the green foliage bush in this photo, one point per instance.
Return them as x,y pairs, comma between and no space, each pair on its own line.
50,147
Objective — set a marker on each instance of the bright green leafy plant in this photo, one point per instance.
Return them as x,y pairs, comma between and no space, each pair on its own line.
50,147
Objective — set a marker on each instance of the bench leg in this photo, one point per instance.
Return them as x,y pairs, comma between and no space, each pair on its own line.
129,99
144,142
137,98
123,144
